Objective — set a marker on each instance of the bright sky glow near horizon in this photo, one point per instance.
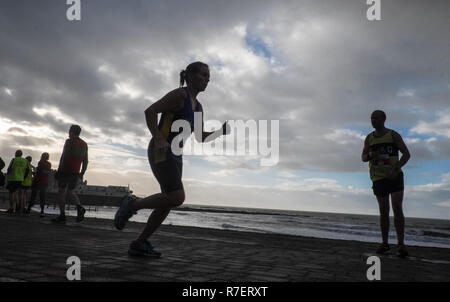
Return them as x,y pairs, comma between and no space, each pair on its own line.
318,66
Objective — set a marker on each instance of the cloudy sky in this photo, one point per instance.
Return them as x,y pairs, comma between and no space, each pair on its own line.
318,67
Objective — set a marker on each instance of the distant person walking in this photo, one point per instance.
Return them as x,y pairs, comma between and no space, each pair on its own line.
40,182
26,185
381,150
16,173
2,177
179,104
74,157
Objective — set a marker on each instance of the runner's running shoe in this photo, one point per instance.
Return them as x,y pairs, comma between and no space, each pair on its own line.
80,213
139,248
383,248
124,213
59,220
402,252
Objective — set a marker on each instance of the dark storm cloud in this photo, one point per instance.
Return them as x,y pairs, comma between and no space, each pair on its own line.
49,61
335,67
348,67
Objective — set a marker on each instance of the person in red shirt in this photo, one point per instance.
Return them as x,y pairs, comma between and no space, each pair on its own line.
74,157
40,182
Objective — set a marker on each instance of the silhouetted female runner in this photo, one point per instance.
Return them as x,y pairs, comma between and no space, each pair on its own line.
179,104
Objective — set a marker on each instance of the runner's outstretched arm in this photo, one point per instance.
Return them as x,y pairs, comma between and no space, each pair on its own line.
210,136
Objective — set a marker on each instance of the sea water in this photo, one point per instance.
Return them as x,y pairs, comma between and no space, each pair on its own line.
418,231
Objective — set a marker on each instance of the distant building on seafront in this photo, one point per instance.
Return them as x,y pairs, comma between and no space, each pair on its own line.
88,195
85,189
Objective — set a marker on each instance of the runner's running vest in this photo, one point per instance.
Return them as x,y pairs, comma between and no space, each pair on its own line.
165,125
387,158
27,181
18,168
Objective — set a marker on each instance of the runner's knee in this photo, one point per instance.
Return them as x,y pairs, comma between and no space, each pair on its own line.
397,209
384,210
177,197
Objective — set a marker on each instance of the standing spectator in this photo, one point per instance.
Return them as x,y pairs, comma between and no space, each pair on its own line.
74,157
40,182
381,150
26,185
17,170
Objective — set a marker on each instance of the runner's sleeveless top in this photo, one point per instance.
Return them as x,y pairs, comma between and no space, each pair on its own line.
28,180
387,158
165,125
18,168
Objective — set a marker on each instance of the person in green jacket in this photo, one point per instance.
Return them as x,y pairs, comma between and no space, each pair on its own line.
17,171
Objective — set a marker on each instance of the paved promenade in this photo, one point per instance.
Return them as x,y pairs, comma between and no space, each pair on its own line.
33,249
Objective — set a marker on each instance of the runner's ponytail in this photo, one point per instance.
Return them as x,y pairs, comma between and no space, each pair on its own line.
182,77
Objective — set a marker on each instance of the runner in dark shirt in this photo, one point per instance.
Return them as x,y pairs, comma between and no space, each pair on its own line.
179,104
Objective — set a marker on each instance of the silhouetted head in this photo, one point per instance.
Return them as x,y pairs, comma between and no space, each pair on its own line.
378,117
29,158
19,153
45,156
196,75
74,131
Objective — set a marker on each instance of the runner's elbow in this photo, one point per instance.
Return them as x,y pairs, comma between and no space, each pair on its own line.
149,111
407,155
